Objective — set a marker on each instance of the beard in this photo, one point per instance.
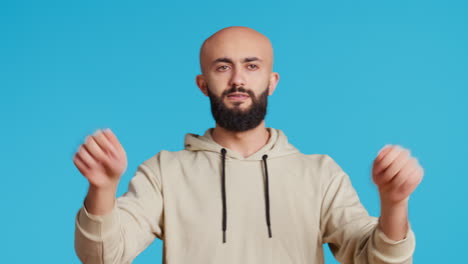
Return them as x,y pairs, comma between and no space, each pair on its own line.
235,119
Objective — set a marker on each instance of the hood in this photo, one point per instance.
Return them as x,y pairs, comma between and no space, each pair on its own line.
276,146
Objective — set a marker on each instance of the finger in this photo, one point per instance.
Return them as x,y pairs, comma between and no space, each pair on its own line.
383,152
386,161
412,182
397,165
405,172
113,139
104,143
95,150
84,155
80,165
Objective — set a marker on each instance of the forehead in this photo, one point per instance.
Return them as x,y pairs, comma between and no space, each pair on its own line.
236,46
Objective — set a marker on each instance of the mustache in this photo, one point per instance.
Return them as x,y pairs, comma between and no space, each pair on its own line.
238,89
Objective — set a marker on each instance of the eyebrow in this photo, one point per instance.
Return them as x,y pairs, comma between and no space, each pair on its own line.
229,60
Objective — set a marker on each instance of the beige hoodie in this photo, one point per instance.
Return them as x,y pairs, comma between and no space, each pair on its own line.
212,208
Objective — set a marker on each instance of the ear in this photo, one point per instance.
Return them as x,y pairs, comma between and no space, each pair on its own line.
201,83
274,79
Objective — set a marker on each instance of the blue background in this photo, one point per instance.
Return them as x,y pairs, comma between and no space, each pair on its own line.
355,75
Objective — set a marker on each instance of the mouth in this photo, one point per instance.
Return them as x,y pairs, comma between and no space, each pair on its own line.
238,96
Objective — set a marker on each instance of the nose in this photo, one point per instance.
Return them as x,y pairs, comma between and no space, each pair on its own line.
237,78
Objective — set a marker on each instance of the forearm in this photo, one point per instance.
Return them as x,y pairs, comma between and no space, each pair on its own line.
394,219
97,226
116,236
100,201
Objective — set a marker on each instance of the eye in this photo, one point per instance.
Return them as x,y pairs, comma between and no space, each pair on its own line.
222,68
252,66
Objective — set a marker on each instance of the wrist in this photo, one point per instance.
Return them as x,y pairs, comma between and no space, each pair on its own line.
393,220
99,200
395,205
111,188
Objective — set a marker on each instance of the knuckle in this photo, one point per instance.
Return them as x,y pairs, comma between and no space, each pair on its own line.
81,150
420,172
106,159
386,176
89,144
407,152
98,136
403,153
409,164
416,174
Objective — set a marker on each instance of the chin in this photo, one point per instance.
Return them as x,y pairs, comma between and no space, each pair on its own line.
239,104
242,106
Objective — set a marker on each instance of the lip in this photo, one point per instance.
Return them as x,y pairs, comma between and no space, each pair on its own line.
238,96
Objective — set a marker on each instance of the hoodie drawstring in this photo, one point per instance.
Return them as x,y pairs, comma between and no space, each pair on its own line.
267,195
223,193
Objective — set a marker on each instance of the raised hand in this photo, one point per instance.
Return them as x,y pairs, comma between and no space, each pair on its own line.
396,174
101,159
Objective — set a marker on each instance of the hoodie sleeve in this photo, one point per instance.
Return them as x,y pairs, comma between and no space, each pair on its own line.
353,236
134,222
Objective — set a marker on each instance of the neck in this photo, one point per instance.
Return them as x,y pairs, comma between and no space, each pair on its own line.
246,143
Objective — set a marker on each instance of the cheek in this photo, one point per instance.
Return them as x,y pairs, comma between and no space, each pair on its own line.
259,83
216,87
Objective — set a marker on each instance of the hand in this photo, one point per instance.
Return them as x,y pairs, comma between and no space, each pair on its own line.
101,159
396,174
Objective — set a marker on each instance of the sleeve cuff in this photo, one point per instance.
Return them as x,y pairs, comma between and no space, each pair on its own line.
97,227
388,249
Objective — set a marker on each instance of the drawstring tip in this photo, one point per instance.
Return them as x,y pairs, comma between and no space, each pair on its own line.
269,231
224,236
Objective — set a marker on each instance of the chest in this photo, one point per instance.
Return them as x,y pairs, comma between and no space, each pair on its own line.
193,198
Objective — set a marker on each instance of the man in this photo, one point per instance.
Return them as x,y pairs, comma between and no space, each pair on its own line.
240,193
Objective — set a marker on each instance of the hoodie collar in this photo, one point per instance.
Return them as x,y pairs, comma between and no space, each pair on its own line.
276,146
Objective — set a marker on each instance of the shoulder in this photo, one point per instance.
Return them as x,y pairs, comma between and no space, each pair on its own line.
319,161
321,165
165,157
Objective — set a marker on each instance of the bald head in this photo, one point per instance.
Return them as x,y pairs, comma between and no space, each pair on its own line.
236,41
